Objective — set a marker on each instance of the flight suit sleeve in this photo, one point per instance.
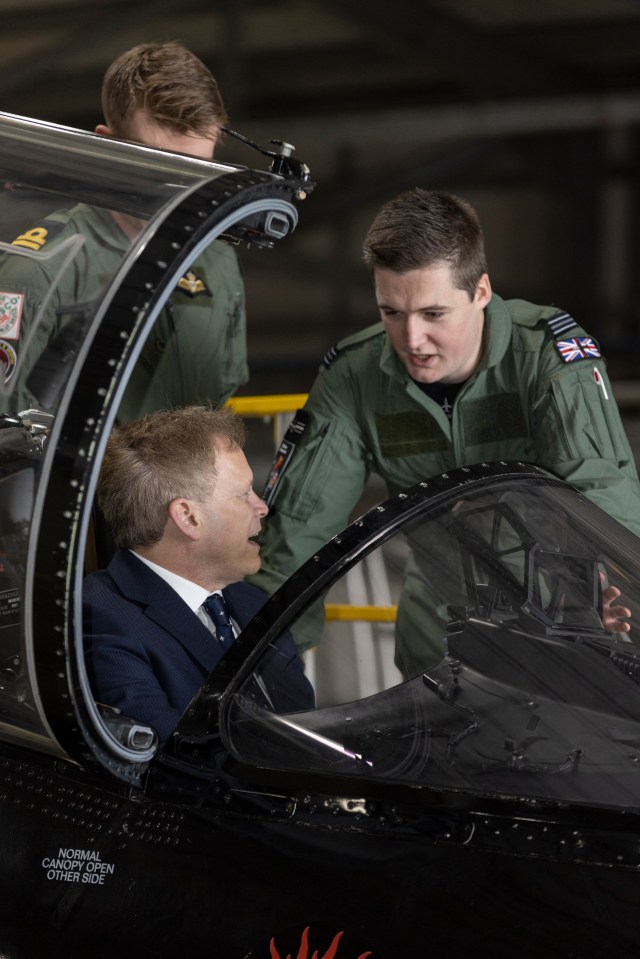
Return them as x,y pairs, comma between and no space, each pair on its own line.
23,282
318,489
579,435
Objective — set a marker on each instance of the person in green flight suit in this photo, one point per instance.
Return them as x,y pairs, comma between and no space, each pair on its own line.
163,96
452,375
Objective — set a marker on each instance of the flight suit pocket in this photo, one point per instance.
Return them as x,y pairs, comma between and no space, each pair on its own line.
572,423
552,440
236,371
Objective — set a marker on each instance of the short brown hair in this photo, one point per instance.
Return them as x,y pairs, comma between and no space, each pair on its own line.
153,460
422,227
169,83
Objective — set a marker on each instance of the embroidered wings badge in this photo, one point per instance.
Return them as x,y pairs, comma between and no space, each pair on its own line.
192,285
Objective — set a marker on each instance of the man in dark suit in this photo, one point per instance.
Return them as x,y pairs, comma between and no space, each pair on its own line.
177,492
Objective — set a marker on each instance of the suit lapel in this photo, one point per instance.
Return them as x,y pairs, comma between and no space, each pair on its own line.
243,601
163,606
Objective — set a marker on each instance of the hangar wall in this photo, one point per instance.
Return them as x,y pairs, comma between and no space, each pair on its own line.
531,111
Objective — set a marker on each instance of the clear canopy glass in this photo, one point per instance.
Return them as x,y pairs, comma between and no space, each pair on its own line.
498,678
94,236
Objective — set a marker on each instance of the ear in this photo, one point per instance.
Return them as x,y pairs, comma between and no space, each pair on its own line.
483,291
184,518
104,131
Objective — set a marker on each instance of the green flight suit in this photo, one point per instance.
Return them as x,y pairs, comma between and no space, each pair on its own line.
523,402
195,353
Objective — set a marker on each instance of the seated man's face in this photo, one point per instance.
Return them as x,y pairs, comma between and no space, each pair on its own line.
231,516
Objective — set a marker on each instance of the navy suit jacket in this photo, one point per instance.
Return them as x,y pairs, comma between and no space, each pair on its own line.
148,654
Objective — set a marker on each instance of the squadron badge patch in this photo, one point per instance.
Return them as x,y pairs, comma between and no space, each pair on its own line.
8,360
286,450
192,285
577,348
10,314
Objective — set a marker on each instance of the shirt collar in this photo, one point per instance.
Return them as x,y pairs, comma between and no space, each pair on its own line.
390,362
497,333
192,594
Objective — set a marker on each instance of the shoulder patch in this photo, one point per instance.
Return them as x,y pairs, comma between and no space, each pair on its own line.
192,285
10,314
560,323
367,334
37,236
330,355
290,440
8,360
578,348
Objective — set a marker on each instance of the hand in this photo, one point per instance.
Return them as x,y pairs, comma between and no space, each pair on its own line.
614,618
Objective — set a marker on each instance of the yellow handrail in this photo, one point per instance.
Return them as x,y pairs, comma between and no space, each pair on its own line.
267,405
341,612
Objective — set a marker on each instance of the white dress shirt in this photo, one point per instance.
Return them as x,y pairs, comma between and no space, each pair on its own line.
192,594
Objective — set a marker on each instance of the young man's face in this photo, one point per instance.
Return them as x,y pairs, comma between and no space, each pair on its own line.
435,328
230,516
142,129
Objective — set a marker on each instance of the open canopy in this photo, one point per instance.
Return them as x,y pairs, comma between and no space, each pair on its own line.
63,379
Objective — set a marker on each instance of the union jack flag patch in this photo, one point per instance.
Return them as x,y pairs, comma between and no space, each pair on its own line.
577,348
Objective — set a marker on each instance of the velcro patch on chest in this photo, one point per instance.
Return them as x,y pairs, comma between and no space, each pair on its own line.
409,434
577,348
193,285
492,419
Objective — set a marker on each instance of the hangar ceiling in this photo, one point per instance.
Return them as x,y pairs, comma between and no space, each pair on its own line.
329,58
530,108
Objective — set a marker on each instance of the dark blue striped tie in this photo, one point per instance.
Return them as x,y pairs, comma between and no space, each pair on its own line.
217,609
